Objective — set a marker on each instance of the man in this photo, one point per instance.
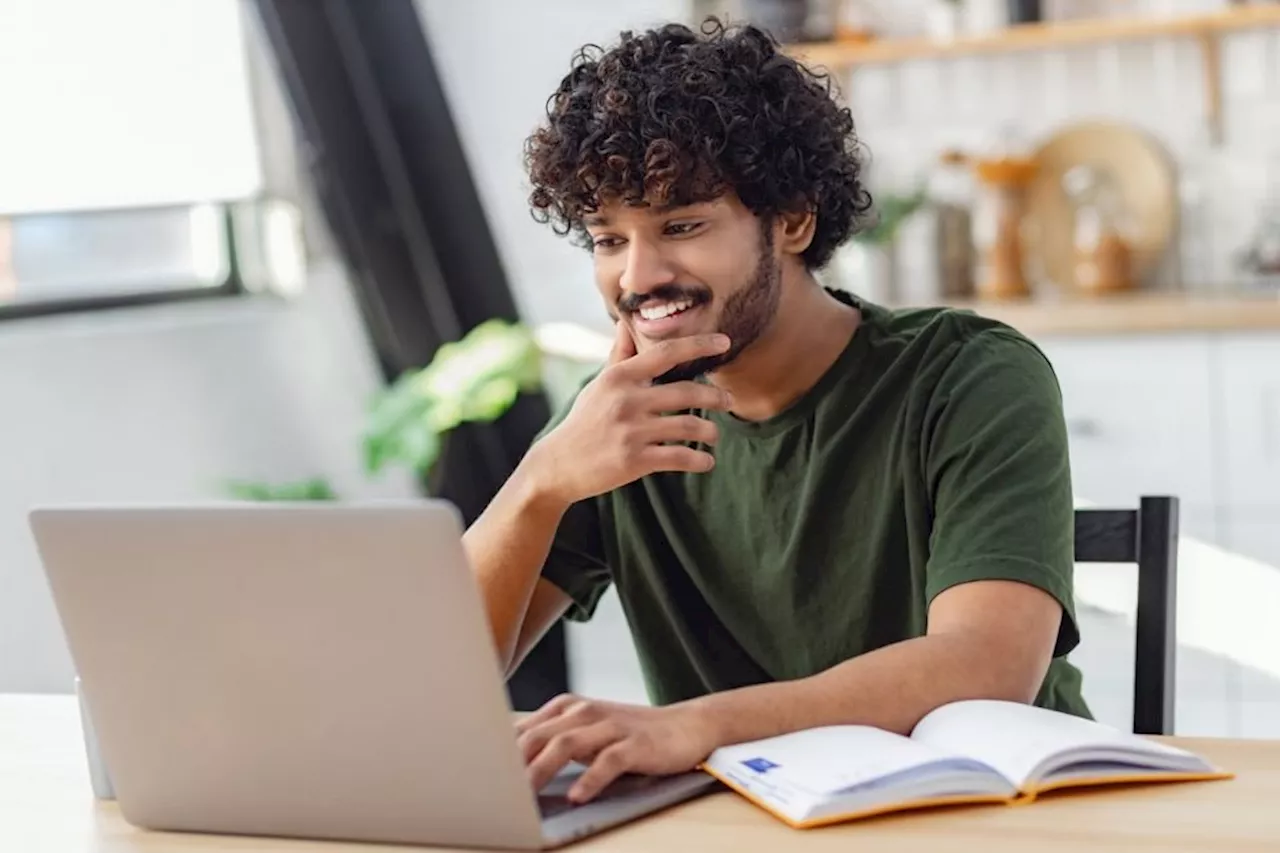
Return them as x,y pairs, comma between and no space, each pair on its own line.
815,510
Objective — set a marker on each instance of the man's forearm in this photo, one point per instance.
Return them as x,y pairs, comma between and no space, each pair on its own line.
891,688
507,546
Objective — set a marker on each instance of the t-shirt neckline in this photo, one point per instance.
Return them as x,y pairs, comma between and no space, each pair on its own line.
846,363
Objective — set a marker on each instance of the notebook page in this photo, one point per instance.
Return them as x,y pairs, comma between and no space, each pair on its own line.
1015,738
815,763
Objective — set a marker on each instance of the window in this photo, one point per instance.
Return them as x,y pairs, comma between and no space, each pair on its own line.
48,257
127,141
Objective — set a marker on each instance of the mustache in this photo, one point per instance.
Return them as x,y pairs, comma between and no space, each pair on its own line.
664,293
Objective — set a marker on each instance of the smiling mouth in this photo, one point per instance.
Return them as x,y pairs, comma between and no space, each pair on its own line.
665,309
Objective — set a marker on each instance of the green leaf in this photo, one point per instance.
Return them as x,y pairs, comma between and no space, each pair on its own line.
475,379
419,447
491,400
892,210
314,489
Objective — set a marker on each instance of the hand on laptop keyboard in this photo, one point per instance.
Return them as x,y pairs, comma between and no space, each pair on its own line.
554,800
611,740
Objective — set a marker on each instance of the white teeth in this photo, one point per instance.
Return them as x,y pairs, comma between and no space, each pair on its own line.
666,309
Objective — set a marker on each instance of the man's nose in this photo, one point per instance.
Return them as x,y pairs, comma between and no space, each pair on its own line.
646,269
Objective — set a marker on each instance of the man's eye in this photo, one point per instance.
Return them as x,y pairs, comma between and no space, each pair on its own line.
604,242
682,228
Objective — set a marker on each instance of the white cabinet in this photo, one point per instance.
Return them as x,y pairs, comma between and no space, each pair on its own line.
1250,380
1139,417
1196,416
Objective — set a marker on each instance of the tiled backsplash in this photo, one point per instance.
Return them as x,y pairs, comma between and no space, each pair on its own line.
908,113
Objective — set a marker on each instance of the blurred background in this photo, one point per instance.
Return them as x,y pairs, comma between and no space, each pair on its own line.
281,249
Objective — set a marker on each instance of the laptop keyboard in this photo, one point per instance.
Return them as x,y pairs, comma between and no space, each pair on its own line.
554,800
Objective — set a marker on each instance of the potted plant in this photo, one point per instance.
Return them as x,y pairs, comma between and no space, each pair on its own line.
867,264
475,379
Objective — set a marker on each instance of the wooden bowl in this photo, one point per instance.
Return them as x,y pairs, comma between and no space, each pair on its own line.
1143,172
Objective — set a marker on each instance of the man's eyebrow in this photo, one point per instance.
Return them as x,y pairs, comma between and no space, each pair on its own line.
600,220
672,207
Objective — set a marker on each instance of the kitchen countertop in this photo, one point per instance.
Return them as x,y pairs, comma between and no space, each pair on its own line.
1134,313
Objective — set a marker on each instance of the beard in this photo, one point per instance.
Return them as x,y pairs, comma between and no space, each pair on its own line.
746,315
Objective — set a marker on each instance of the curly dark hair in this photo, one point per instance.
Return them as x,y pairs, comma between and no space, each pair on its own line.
672,117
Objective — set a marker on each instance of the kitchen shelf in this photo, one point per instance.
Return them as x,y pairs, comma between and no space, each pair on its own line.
836,55
1136,312
1023,38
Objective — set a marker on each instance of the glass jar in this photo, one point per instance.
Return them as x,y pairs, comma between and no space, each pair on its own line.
999,215
1102,241
1258,261
952,194
1101,238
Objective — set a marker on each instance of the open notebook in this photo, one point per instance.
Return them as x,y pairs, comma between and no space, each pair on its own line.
965,752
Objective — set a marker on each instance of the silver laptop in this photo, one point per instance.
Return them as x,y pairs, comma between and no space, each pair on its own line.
305,670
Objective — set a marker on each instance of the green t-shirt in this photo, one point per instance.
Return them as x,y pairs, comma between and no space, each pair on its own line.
931,453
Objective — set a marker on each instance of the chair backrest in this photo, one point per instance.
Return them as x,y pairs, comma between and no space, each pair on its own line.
1147,536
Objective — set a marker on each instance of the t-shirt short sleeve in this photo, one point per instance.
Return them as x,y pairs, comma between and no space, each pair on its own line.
997,461
576,563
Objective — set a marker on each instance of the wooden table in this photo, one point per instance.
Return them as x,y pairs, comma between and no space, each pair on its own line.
46,806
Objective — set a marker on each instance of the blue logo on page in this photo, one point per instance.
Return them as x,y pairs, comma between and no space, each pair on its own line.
761,765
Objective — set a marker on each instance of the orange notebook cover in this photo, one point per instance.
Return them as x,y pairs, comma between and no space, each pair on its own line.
967,752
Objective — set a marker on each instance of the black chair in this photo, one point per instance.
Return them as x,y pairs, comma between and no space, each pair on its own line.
1147,536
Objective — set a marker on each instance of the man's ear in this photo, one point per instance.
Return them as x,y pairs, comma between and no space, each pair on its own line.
795,229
